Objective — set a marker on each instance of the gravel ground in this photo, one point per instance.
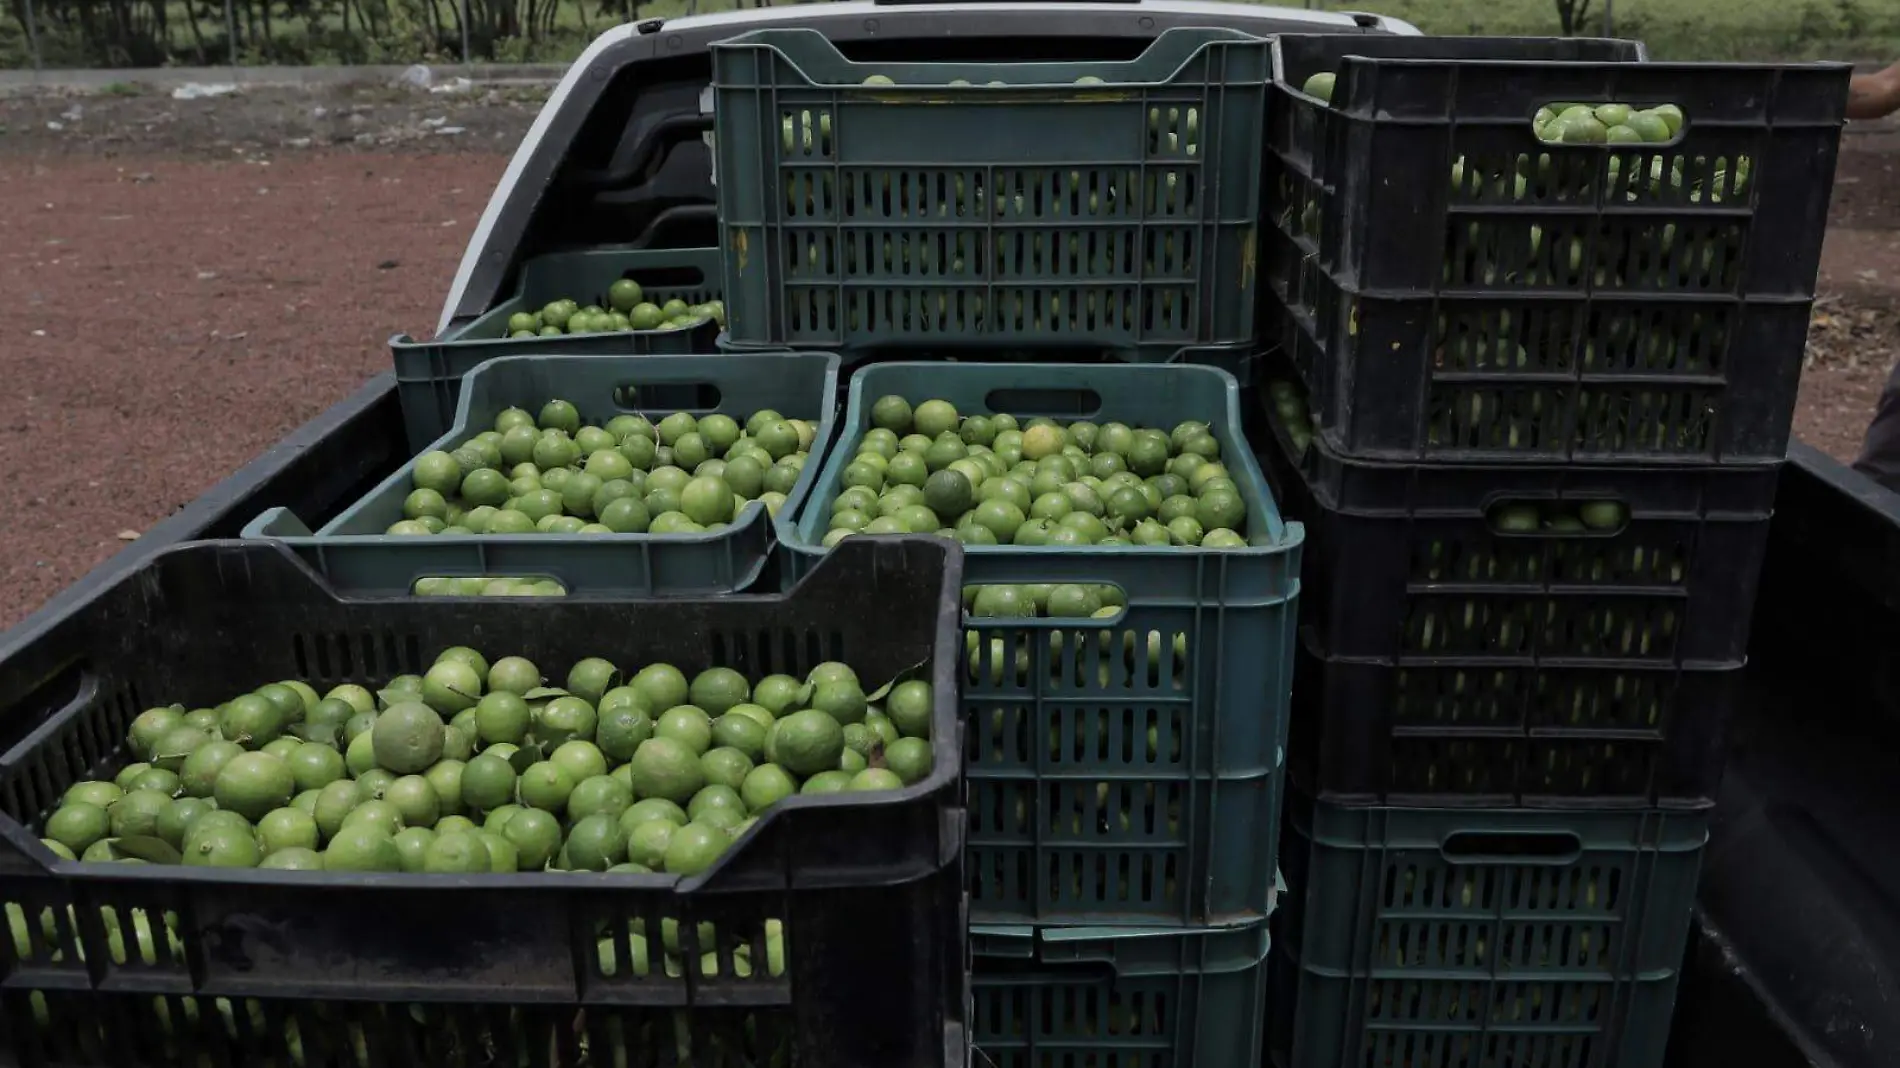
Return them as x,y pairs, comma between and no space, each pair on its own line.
188,280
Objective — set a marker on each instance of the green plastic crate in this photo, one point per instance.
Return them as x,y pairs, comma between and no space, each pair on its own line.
355,555
429,373
1054,997
1095,828
1442,938
1119,214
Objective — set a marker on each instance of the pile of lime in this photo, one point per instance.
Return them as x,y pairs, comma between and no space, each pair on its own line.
487,586
1615,124
475,766
626,309
1289,405
554,475
990,480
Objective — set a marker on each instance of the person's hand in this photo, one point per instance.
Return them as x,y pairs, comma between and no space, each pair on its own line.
1874,96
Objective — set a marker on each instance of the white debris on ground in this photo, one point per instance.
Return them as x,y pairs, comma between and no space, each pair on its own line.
199,91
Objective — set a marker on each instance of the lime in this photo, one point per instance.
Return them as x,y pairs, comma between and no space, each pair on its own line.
222,846
621,728
287,828
93,792
742,732
688,725
451,824
177,818
536,835
78,825
934,417
252,720
452,685
412,845
718,689
662,767
199,773
503,857
295,858
357,697
599,795
335,802
589,678
725,767
363,847
596,843
827,782
488,782
765,786
806,742
717,796
565,719
831,671
152,725
874,779
842,700
137,813
662,685
407,737
287,699
580,759
513,674
910,758
647,842
371,784
694,848
497,820
157,780
545,785
376,814
313,766
653,808
415,800
281,748
445,778
891,413
462,853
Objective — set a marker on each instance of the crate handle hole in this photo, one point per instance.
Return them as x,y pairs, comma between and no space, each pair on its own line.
1555,848
669,397
1558,518
75,686
516,585
1078,403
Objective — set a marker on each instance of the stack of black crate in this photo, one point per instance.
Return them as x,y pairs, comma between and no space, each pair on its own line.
1533,409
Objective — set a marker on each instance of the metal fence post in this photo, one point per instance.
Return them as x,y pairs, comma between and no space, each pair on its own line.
467,59
230,33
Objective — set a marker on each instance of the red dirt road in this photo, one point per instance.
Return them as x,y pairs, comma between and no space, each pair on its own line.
166,321
186,282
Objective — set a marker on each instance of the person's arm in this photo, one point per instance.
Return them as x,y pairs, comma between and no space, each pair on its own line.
1874,96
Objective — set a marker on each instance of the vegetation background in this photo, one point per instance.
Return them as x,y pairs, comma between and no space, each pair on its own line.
153,33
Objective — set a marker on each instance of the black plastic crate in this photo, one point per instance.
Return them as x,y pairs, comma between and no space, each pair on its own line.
1628,302
867,889
1436,938
1469,663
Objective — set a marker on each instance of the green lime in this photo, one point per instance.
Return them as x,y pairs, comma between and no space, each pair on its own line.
462,853
565,719
451,824
741,732
357,697
694,848
377,813
874,779
765,786
503,857
662,685
596,843
222,846
545,786
599,795
827,782
488,782
647,842
152,725
157,780
664,768
294,858
688,725
177,818
536,835
842,700
415,800
287,828
652,808
777,694
806,742
136,814
891,413
363,847
78,825
449,686
497,820
910,758
590,678
252,720
93,792
313,766
412,845
717,689
725,767
580,759
371,784
199,772
407,737
335,802
621,728
513,674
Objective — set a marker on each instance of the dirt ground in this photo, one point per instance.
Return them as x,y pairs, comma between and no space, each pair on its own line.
185,281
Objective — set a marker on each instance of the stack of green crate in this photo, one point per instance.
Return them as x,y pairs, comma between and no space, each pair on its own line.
1124,758
1538,397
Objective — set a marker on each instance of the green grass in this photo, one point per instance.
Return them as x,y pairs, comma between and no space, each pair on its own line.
1757,30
